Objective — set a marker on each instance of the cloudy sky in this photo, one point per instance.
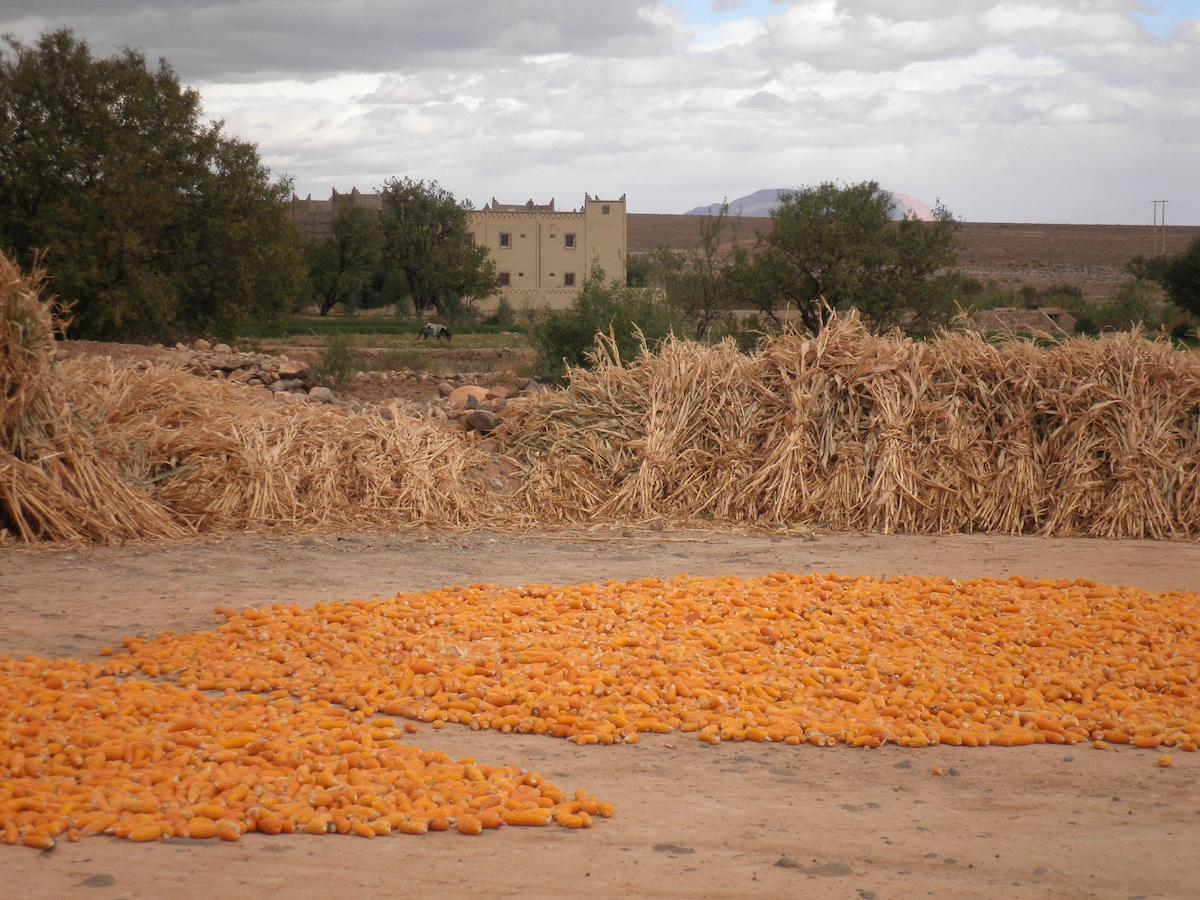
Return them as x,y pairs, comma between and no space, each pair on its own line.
1052,111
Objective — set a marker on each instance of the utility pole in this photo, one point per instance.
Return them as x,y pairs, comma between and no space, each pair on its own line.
1160,227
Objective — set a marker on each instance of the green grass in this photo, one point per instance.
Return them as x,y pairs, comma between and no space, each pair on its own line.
305,326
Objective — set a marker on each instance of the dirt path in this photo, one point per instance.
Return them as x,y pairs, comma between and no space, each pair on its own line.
731,820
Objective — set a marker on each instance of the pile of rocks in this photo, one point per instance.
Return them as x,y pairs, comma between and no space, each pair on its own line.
479,408
280,375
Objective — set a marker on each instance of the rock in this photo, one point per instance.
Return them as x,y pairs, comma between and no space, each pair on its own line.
180,347
386,413
472,403
445,389
201,344
285,384
439,413
534,387
458,396
482,421
226,363
498,393
321,395
489,445
499,405
222,348
242,376
290,368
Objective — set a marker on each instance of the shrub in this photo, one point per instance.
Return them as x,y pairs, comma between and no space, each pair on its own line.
631,315
338,362
504,314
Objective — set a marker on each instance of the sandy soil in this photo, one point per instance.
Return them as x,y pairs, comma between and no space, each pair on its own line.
1010,253
693,820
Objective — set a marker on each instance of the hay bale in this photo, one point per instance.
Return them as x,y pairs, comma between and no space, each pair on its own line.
853,431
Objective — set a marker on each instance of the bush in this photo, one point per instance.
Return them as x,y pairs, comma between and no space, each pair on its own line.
338,362
1182,279
565,337
504,314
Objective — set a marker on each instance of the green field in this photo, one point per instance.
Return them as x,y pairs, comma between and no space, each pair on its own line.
313,326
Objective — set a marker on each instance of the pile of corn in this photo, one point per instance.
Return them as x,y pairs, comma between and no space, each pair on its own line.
82,753
276,721
820,659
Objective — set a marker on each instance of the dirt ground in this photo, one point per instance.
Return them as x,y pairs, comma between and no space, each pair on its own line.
692,820
1009,253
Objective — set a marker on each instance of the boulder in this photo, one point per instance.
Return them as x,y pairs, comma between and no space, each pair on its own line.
445,389
497,393
534,387
321,395
458,396
222,348
472,403
201,344
482,421
290,368
285,385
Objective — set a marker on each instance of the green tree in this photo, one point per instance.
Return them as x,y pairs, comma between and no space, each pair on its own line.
151,220
564,337
696,281
343,267
1182,279
426,241
837,247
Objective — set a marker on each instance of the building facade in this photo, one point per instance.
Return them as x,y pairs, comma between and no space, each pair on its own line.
542,255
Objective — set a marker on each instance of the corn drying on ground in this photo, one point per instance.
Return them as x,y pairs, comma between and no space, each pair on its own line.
280,719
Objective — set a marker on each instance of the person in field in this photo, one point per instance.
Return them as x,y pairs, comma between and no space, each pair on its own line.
435,331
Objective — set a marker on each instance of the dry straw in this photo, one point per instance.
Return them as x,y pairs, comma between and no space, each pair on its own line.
850,430
846,430
94,452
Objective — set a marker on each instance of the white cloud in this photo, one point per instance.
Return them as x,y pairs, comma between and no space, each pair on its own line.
1063,110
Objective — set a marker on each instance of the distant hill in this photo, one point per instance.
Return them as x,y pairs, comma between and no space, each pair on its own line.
760,203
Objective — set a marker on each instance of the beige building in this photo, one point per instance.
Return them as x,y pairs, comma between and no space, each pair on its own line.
542,255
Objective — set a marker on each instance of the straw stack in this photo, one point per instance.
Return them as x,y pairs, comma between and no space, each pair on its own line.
853,431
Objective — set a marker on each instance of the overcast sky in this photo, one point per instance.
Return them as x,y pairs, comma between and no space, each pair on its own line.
1050,111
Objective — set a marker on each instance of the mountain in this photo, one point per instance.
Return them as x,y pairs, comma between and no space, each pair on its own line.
760,203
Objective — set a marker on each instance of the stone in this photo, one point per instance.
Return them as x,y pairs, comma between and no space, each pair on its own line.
498,393
321,395
222,348
489,445
499,405
285,384
534,387
445,388
458,396
201,344
290,368
472,403
482,421
180,347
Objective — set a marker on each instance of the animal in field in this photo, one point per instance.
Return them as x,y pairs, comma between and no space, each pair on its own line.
435,331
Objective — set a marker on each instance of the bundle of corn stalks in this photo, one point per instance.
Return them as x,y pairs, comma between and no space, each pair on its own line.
94,452
850,430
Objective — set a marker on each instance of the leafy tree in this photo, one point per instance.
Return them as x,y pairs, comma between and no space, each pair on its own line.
837,247
696,280
1153,268
151,219
564,337
425,240
344,266
1182,279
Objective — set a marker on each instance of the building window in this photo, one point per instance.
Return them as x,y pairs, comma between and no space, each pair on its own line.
569,241
604,210
505,281
469,239
505,240
568,279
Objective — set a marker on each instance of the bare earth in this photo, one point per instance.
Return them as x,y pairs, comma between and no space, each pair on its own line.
692,820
